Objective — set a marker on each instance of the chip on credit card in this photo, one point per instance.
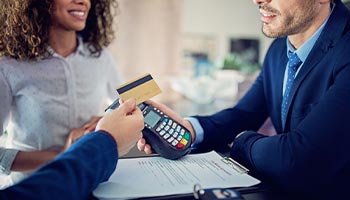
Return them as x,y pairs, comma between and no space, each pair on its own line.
141,89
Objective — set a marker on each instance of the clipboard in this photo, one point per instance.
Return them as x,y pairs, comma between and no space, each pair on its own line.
154,177
235,165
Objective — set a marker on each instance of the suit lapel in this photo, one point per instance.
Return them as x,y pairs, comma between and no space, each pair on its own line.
329,36
304,71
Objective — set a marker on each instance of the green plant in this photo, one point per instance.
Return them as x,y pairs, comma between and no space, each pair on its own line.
234,62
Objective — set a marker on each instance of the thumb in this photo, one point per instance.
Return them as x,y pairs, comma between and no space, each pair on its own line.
128,106
137,111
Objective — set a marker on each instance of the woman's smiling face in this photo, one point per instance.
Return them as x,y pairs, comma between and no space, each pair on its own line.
70,15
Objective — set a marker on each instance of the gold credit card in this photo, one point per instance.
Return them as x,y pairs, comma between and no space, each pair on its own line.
141,89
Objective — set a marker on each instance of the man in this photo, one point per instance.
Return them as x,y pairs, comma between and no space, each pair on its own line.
307,98
89,161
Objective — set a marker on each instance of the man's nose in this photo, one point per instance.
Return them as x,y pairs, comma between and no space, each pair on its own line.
258,2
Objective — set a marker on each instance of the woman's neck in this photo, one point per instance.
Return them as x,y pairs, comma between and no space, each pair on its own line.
63,43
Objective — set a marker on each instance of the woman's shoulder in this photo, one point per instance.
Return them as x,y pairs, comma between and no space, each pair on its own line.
4,59
9,64
7,61
12,62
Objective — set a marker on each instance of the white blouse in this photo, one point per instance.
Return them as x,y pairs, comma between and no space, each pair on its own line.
42,100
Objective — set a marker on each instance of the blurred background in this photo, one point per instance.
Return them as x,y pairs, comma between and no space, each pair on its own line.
204,54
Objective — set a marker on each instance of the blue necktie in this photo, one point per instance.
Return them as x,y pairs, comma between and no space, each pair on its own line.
293,64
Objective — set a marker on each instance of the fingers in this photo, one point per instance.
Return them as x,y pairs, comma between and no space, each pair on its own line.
158,105
148,149
143,146
137,113
124,124
140,136
128,106
73,136
165,109
91,125
88,131
76,133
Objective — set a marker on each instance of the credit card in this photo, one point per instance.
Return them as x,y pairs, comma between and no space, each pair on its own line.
141,89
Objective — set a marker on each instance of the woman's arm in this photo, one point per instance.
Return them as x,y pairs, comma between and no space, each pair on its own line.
30,161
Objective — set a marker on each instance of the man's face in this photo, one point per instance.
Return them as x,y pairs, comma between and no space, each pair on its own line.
286,17
70,15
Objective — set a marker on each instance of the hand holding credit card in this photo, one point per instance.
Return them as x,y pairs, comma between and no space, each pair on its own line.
167,137
141,89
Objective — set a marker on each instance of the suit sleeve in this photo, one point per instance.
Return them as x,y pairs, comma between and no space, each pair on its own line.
73,174
314,155
249,114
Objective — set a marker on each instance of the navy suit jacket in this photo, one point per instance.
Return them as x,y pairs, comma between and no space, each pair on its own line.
73,174
312,151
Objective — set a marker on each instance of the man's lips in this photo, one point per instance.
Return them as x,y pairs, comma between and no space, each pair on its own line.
267,17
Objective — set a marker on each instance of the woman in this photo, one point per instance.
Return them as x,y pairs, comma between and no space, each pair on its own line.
55,78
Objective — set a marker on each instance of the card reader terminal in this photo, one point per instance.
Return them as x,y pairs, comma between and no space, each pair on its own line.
166,136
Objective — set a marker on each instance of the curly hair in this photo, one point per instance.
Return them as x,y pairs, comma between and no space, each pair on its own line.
24,27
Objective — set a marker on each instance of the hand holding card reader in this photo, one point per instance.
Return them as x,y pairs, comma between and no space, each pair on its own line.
167,137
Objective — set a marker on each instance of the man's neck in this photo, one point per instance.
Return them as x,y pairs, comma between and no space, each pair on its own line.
300,38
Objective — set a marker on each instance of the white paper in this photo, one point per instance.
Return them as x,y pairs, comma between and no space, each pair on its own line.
156,176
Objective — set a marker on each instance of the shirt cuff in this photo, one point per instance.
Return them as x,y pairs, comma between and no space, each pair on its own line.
197,129
7,156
